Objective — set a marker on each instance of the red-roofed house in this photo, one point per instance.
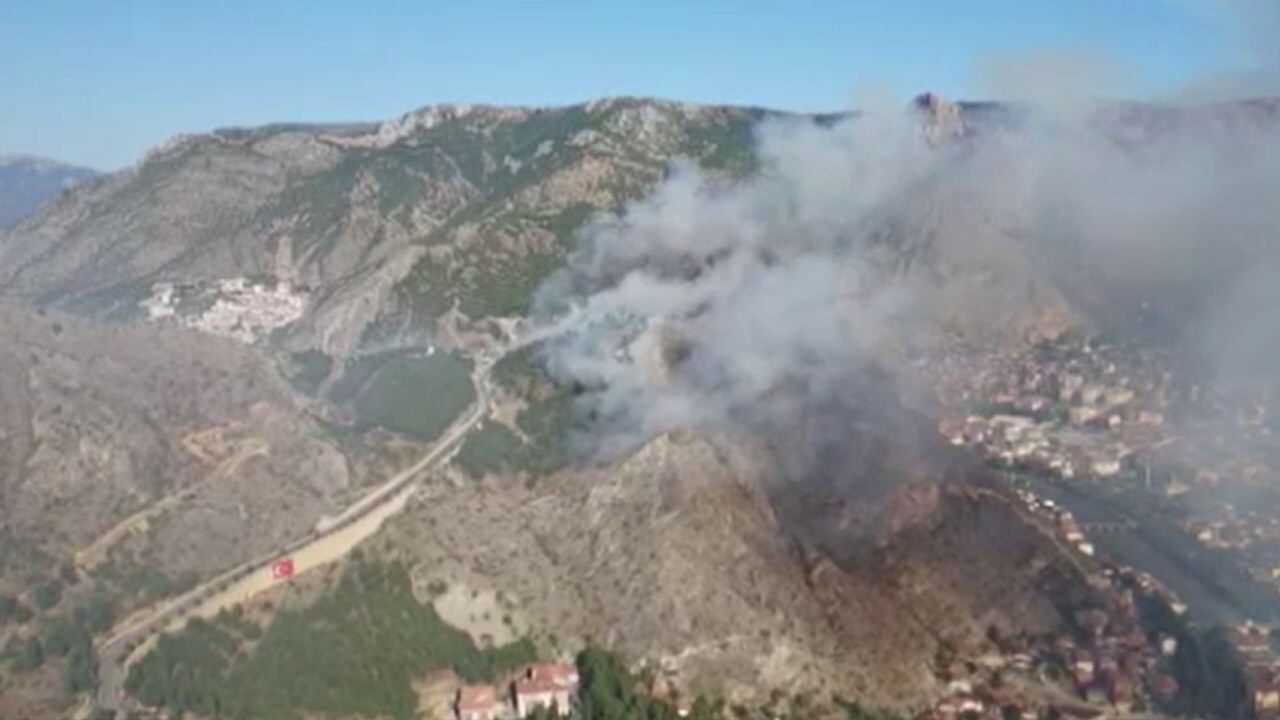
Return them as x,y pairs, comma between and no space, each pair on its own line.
477,702
550,685
562,674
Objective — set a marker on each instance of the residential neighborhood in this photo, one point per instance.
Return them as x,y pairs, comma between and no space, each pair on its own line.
1088,412
1108,666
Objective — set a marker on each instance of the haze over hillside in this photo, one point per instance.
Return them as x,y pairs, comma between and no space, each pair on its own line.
26,182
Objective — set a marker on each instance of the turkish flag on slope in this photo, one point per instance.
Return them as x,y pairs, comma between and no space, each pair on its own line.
282,569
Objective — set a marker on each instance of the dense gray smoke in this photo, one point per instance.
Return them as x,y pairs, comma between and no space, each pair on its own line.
758,303
697,306
1147,219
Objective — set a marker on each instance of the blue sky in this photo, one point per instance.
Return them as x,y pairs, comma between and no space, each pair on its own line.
97,82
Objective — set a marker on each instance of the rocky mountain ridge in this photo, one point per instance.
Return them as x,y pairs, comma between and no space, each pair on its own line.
372,220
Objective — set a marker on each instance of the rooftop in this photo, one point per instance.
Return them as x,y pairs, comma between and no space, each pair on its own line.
477,697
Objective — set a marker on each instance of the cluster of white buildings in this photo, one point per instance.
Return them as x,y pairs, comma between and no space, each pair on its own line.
241,310
1019,439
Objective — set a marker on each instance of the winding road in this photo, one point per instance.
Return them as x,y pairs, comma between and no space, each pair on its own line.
331,540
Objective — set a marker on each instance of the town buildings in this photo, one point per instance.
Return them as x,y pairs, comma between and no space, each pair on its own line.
237,308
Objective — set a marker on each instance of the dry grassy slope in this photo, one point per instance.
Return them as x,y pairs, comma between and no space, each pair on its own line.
186,211
94,419
676,554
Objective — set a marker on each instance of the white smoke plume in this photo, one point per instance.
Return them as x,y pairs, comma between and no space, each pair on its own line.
752,284
724,305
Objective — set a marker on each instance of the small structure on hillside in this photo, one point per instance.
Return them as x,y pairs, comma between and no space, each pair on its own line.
546,685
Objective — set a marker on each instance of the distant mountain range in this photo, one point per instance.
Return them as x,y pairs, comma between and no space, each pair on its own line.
26,182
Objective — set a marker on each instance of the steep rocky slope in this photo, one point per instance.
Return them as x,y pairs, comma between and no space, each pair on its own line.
397,223
677,555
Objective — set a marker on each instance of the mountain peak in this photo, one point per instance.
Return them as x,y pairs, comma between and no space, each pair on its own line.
942,118
27,181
